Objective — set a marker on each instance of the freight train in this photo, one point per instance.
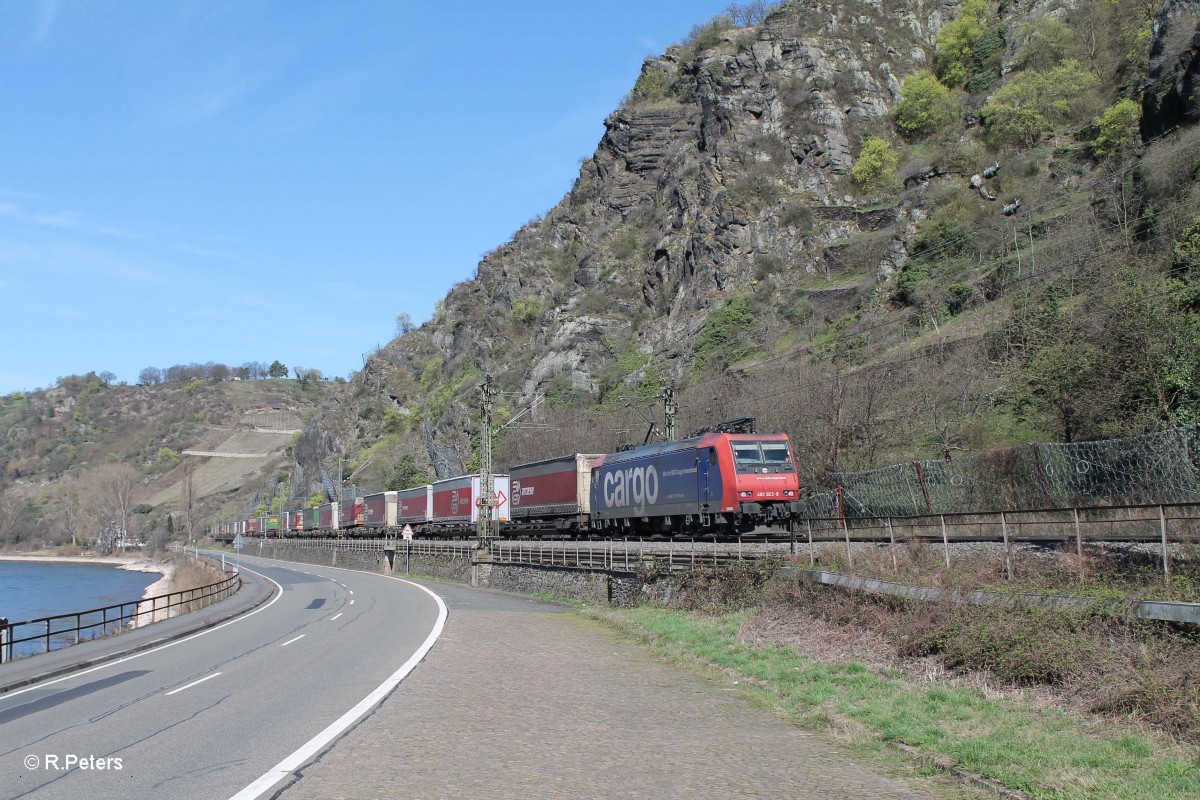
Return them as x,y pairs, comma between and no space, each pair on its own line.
716,484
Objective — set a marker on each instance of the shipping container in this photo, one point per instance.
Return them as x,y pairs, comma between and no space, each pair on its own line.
456,500
330,516
414,506
553,493
379,510
351,514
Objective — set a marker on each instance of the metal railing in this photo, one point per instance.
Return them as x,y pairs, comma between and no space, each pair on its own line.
1168,528
42,635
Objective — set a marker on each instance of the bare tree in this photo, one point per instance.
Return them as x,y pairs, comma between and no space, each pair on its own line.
189,497
67,506
746,14
109,491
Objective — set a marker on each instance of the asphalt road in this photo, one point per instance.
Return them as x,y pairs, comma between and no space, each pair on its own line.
231,712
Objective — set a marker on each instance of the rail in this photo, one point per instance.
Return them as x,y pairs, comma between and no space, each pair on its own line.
42,635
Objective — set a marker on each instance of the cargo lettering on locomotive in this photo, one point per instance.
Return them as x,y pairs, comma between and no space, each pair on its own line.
635,487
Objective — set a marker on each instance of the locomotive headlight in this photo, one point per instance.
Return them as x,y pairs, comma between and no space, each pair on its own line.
789,493
744,493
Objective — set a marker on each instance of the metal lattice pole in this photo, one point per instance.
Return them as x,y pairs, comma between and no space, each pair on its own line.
484,527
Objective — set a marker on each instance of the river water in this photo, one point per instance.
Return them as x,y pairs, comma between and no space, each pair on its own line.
32,589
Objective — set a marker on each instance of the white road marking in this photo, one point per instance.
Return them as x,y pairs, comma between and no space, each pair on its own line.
190,685
351,602
335,616
322,740
351,591
289,641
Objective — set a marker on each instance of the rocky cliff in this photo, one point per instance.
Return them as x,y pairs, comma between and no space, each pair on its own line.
718,232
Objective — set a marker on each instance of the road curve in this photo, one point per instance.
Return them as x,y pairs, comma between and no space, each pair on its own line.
231,712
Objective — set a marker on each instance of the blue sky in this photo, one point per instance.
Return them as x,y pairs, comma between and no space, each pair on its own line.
258,180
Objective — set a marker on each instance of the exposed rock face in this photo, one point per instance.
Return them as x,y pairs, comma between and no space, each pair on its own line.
724,176
1172,94
731,178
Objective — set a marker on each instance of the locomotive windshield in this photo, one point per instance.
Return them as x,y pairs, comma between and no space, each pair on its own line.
753,454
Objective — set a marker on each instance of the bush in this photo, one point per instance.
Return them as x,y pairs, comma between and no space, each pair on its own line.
720,336
1186,253
1118,130
925,106
875,169
526,311
653,85
1033,103
956,42
985,60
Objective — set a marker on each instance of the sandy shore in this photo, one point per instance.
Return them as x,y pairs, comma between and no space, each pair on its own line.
88,559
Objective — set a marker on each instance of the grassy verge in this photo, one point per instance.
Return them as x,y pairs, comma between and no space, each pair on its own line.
1044,753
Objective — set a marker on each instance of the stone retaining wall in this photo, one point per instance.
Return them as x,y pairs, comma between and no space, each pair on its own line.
616,587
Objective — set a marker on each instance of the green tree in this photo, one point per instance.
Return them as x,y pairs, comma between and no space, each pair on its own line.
1133,340
1117,129
1033,103
875,169
956,42
925,106
1186,253
406,474
277,370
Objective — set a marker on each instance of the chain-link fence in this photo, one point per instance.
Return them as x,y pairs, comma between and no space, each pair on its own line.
1153,468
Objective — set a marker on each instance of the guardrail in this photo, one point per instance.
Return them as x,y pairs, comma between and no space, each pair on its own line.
42,635
1165,526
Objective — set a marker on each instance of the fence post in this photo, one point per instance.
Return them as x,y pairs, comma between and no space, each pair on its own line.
812,559
4,637
1162,523
945,540
846,529
892,539
1079,544
924,486
1004,533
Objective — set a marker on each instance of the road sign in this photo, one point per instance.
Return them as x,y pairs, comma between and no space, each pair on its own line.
407,533
237,542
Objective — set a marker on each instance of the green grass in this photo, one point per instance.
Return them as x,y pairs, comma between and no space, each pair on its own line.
1044,753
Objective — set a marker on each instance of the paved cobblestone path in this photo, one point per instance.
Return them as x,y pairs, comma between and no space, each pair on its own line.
520,699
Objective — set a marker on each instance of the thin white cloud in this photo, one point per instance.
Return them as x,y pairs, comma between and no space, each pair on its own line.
224,82
45,15
83,260
207,105
64,220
